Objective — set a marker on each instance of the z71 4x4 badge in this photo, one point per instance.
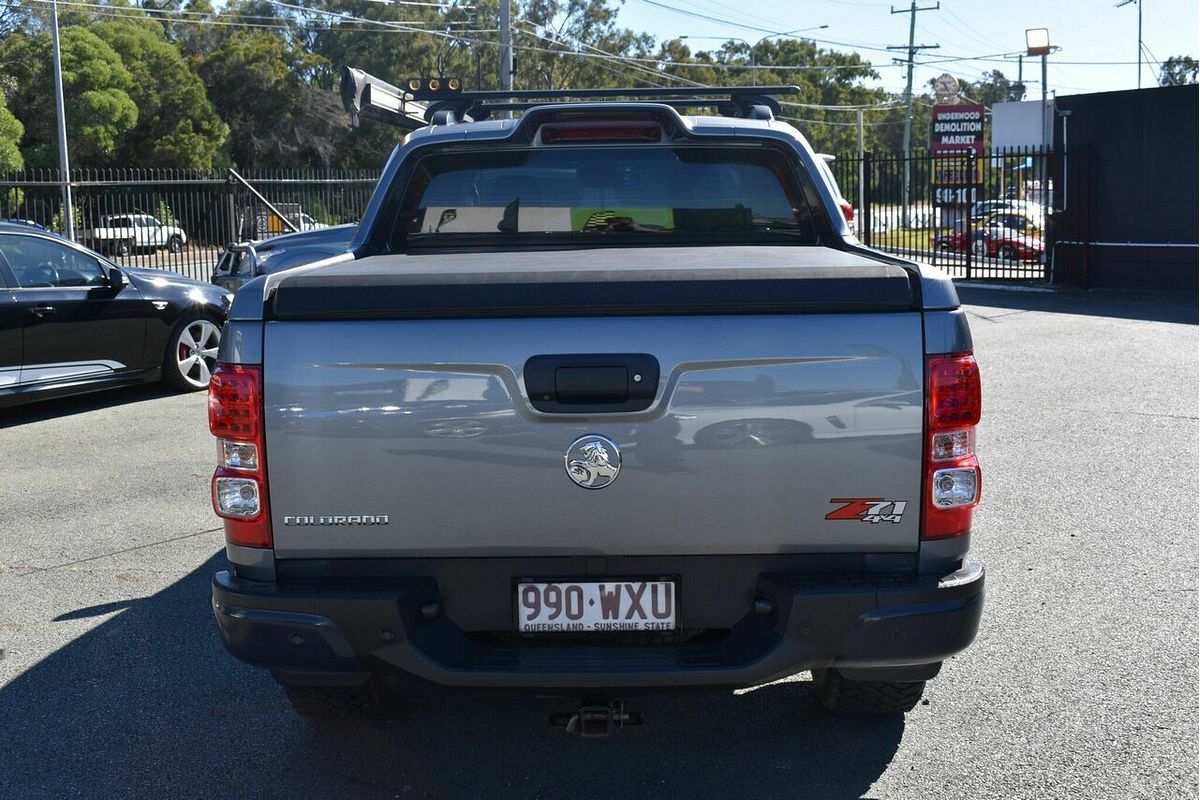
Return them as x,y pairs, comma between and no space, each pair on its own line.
867,509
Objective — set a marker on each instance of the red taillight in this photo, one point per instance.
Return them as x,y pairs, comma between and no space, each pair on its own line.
234,402
847,211
954,392
953,480
566,134
239,485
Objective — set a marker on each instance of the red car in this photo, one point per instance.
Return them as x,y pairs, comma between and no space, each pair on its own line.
1005,244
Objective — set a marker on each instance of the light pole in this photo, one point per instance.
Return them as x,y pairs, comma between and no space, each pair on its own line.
1037,43
64,166
753,56
1122,4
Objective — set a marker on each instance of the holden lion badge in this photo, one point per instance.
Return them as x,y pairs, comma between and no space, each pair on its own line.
593,461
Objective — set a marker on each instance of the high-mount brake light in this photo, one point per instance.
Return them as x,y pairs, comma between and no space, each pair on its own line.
569,134
952,475
239,485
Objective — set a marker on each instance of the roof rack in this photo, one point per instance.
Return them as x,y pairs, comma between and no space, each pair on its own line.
440,101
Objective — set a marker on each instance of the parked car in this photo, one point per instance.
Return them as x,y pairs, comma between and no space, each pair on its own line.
245,261
608,401
986,209
122,234
995,241
72,321
29,222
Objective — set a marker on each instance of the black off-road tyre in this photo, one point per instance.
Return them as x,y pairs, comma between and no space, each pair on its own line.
836,693
371,699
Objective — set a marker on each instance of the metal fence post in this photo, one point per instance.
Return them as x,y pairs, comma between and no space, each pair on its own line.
234,235
867,200
970,205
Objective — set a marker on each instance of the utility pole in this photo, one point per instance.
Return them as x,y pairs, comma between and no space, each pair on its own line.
506,53
64,166
908,95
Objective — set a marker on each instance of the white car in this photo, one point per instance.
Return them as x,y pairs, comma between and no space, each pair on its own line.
121,234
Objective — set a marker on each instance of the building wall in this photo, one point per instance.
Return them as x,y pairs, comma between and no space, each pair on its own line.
1139,152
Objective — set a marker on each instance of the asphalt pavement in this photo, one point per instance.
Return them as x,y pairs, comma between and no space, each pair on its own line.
1082,683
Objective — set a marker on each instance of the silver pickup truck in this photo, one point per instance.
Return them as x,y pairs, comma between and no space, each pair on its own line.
604,399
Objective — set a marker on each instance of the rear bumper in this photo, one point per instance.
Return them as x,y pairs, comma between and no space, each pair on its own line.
794,622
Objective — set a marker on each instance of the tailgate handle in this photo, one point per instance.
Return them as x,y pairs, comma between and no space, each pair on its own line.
591,383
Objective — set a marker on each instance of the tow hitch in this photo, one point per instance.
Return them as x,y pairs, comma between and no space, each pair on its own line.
596,719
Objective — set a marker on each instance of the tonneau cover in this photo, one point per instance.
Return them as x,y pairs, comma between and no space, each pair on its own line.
620,281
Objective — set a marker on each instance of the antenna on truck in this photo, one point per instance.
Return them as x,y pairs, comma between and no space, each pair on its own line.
442,101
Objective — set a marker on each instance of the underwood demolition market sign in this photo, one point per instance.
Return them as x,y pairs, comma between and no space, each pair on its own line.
956,141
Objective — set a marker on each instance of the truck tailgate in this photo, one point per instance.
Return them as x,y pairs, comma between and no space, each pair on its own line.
762,425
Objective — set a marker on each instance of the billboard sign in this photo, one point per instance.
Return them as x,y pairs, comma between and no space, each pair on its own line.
955,133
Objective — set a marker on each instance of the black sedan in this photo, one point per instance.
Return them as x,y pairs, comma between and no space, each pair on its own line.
72,322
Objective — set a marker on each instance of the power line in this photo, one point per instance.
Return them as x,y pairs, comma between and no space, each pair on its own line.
205,18
713,6
629,64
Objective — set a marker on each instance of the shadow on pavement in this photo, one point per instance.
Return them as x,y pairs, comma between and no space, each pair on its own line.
39,410
1155,307
148,704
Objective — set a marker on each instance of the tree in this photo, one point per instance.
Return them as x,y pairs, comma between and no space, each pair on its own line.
1178,71
179,127
991,88
96,89
275,118
11,131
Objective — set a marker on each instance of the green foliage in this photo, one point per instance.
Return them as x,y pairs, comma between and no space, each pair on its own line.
164,214
99,109
11,131
1178,71
179,128
57,220
96,92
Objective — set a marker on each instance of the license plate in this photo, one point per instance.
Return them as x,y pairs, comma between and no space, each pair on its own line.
581,606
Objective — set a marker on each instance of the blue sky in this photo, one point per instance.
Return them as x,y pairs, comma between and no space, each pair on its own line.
1088,31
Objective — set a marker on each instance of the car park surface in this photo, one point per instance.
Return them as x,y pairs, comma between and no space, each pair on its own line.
1082,682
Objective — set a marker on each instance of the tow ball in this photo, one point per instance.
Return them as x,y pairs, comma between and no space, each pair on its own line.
595,719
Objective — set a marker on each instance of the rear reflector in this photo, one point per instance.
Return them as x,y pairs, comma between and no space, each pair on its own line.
567,134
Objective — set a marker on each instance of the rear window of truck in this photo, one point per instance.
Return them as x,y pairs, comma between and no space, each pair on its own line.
661,192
